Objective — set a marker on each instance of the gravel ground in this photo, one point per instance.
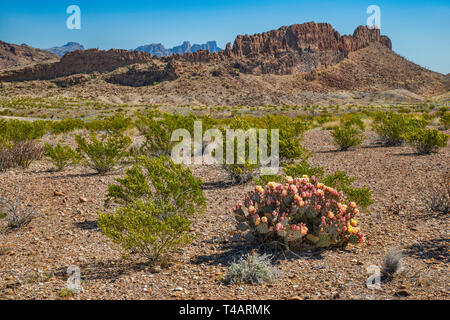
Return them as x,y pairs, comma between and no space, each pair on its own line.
35,258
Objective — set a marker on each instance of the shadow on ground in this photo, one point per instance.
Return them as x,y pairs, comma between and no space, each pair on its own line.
436,249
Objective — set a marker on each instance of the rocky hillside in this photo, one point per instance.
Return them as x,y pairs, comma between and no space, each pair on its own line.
160,51
12,55
308,63
68,47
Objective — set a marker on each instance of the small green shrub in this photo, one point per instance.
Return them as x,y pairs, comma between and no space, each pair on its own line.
171,187
156,198
157,128
445,120
391,126
65,126
426,141
144,229
252,269
341,181
17,130
103,154
115,124
61,156
349,133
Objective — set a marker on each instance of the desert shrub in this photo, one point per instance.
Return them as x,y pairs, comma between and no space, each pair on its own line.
445,120
66,125
301,208
156,198
349,133
21,153
157,128
291,130
290,134
392,263
242,169
252,269
425,140
17,130
114,124
61,156
391,126
342,182
439,198
168,185
17,212
103,154
144,229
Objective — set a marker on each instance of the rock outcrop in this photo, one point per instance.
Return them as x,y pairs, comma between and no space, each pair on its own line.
87,61
12,55
294,49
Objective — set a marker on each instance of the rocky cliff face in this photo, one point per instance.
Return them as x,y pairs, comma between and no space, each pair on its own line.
12,55
68,47
87,61
294,49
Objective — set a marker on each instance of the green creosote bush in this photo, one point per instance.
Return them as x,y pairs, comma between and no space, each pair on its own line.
156,198
145,230
391,126
445,120
17,130
114,124
349,133
426,141
61,156
291,131
105,153
252,269
157,128
65,125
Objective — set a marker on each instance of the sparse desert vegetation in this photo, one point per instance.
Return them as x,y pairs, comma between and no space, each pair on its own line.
137,225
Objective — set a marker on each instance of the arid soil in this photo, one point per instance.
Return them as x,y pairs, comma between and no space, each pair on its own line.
34,259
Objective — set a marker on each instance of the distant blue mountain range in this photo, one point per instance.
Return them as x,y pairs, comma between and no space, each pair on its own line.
157,49
68,47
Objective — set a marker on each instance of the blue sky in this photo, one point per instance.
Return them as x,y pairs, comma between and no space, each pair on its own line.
419,30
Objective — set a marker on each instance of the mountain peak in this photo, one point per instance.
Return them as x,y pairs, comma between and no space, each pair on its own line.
68,47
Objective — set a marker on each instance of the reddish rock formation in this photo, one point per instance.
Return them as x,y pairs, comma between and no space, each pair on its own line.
298,48
294,49
12,55
79,61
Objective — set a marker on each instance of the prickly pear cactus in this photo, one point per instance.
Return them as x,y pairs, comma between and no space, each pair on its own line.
301,210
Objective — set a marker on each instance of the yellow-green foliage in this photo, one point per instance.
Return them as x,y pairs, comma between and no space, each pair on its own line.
426,140
349,133
391,126
61,156
156,198
105,153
